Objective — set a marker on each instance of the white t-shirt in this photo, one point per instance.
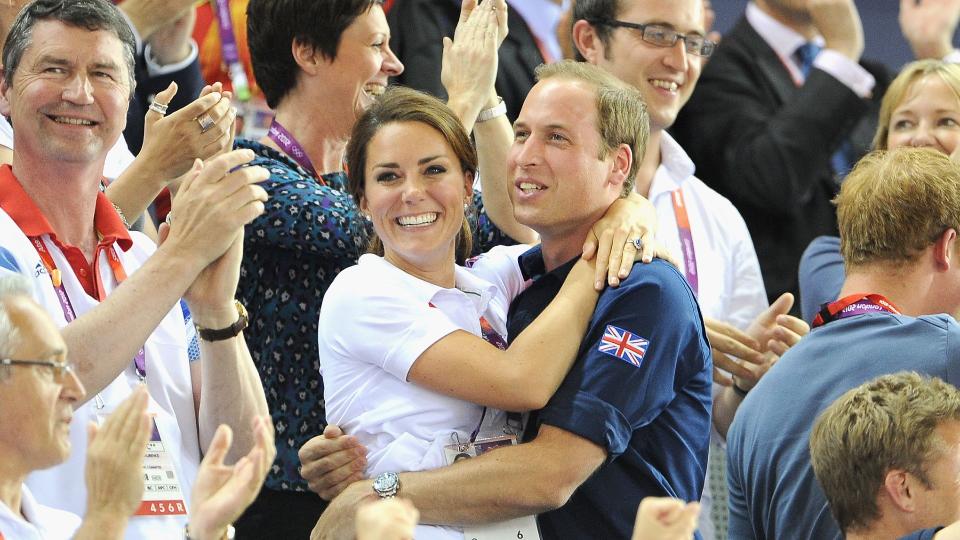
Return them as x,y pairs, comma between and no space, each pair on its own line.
37,522
168,381
118,158
376,320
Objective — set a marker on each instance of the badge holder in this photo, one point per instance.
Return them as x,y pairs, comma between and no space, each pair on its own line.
162,494
522,528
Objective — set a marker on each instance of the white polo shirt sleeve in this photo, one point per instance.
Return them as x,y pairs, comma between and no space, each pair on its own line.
388,325
501,267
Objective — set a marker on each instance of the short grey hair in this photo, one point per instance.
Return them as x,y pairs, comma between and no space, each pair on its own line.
10,285
89,14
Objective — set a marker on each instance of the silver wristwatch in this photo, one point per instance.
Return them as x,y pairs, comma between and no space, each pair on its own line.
387,485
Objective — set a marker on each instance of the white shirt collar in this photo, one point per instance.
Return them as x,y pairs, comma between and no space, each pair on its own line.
478,291
782,39
675,168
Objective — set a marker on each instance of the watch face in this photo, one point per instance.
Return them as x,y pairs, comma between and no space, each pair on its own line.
386,483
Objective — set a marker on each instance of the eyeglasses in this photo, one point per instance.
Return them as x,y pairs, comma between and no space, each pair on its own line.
59,369
664,36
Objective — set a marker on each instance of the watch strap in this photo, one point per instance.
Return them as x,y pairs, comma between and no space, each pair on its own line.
220,334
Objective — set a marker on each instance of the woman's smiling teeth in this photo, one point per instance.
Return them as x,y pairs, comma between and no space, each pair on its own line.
418,220
375,90
527,186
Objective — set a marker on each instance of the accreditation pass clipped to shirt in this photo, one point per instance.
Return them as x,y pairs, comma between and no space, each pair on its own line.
162,494
521,528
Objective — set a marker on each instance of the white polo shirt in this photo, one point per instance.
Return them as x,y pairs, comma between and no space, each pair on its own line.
375,321
168,381
36,522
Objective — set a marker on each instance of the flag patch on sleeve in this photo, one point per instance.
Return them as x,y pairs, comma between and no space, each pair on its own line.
624,345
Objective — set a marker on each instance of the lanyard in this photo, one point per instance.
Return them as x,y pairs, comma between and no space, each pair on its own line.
69,313
853,305
686,240
494,338
288,143
229,52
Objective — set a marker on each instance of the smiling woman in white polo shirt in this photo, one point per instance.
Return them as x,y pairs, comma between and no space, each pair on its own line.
412,345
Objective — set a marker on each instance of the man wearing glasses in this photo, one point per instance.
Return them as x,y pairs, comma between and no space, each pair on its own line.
39,391
786,106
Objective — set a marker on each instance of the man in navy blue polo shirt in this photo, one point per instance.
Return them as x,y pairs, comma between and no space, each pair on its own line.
632,418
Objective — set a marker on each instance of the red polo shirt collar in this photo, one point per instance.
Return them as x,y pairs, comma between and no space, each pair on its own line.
24,212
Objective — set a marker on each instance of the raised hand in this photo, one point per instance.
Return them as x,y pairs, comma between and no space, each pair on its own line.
172,142
838,21
114,469
929,25
468,68
222,492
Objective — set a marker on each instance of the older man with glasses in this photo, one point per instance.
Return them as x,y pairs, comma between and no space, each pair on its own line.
38,393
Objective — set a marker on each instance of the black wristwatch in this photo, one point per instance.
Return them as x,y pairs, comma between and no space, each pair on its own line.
221,334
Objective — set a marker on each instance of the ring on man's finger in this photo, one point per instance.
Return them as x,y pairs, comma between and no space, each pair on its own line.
637,243
169,218
206,122
158,107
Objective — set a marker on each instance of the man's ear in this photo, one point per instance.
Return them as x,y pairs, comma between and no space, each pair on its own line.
899,486
622,161
4,104
588,42
945,250
306,56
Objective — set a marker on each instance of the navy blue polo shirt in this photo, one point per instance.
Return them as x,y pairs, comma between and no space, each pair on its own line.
925,534
640,388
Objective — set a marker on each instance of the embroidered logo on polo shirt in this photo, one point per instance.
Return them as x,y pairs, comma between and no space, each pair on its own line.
624,345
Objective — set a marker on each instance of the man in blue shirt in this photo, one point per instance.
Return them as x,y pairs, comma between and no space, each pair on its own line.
899,213
632,418
887,455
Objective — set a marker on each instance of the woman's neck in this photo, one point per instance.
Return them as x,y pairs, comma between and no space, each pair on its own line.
322,134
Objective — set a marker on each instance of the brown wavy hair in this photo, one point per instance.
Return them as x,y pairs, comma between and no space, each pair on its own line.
400,104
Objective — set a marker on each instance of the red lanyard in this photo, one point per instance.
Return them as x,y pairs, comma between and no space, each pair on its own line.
69,313
686,240
853,305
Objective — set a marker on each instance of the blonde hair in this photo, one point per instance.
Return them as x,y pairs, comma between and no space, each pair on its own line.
883,424
948,72
621,112
896,203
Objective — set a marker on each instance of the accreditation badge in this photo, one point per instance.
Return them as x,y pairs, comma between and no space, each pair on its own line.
522,528
162,494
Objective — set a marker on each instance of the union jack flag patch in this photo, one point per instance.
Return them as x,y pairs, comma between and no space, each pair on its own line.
624,345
